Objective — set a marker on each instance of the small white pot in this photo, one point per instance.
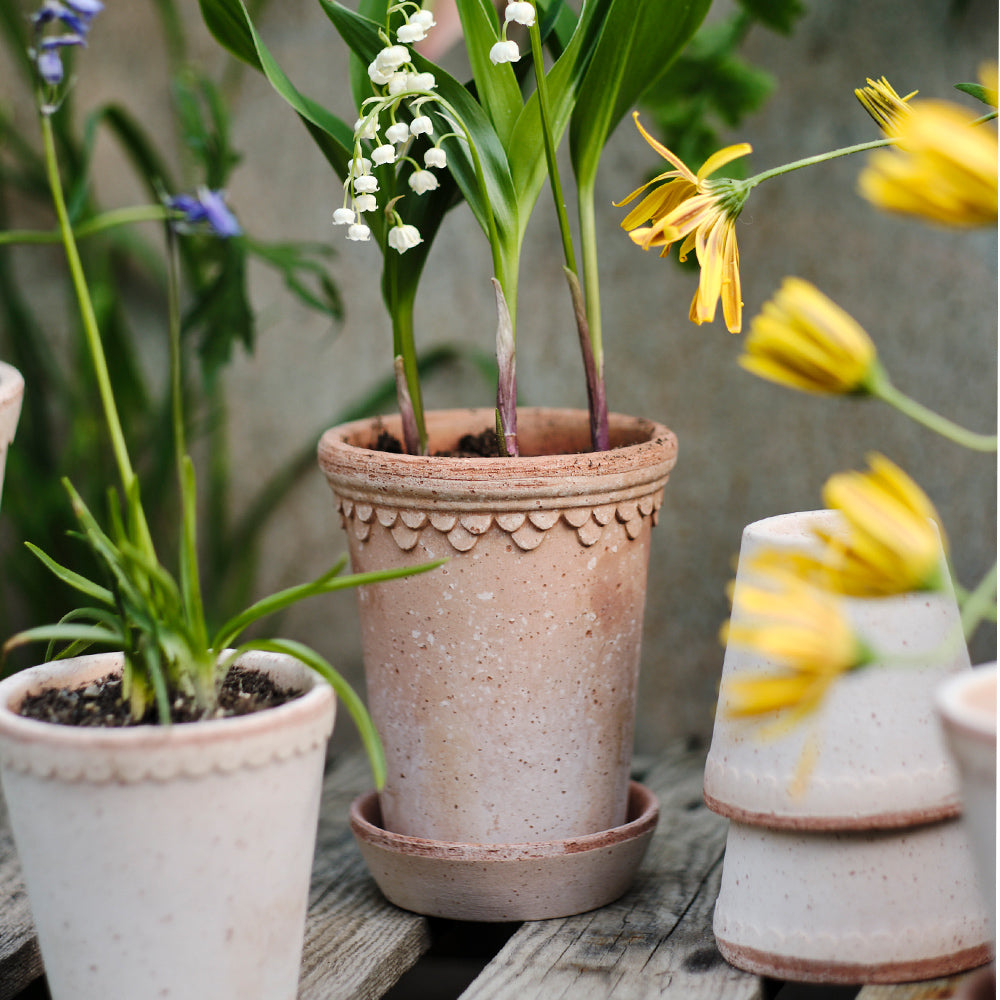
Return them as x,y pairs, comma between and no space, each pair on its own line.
167,861
884,906
968,707
880,757
11,394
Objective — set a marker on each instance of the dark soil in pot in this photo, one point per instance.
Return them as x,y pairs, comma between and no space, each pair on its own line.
100,703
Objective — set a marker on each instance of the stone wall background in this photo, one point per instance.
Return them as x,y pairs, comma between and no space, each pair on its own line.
747,449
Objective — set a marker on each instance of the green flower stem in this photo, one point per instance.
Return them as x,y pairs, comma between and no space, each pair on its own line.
809,161
99,224
591,288
555,182
881,388
980,603
91,331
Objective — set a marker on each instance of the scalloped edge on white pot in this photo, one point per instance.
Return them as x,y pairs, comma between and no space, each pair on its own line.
11,396
168,860
968,709
882,759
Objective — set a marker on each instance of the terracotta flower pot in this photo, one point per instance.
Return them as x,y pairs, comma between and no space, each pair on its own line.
167,860
504,683
11,394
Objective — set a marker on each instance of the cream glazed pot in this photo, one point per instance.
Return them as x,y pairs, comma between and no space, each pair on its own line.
167,861
881,759
11,395
503,684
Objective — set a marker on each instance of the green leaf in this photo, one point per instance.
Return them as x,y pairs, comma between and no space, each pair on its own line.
778,15
75,580
229,22
347,695
638,42
978,91
496,86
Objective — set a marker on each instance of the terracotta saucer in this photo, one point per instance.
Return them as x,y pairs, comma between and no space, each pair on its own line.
505,882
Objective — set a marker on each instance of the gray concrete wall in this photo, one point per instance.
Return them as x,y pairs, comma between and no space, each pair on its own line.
747,449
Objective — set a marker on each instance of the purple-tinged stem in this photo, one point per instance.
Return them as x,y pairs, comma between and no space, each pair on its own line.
596,395
411,437
507,377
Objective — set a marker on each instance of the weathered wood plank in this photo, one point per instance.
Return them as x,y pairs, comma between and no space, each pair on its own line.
20,960
357,945
654,942
931,989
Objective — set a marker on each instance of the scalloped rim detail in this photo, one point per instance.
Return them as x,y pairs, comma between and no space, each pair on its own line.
527,530
160,753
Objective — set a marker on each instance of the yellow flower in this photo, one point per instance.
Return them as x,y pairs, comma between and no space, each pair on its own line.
944,169
803,340
702,213
893,540
801,628
882,102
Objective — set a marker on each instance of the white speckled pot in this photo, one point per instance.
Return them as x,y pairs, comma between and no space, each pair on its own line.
968,707
167,861
11,395
882,760
504,683
884,906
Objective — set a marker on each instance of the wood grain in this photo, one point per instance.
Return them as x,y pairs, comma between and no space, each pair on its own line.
20,960
654,942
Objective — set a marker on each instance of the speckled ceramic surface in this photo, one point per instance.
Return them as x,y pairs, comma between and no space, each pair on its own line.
168,861
881,759
503,684
886,906
968,707
11,395
502,882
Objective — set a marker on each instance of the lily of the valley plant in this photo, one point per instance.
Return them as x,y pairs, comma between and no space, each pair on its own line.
422,142
138,606
937,162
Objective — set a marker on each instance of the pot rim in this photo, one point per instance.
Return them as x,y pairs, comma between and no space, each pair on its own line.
77,671
974,721
643,454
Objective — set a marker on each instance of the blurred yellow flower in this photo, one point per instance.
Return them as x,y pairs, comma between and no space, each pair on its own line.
801,628
893,542
885,106
702,213
944,169
803,340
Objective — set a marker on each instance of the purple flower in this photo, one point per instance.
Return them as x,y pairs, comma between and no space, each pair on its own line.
74,16
208,207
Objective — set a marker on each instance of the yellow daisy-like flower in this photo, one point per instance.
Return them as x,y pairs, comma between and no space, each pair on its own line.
943,171
701,213
885,106
803,340
893,541
800,627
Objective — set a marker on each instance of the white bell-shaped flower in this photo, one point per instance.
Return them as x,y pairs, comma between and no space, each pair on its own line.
421,125
343,216
359,233
365,185
422,181
398,132
435,157
365,202
402,238
505,52
521,12
384,154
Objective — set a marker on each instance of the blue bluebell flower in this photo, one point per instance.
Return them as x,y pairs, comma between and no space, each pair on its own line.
206,209
74,16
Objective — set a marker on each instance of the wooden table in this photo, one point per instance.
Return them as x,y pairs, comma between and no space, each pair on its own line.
655,942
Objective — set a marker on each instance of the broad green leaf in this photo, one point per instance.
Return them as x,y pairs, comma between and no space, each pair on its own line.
496,86
75,580
639,41
229,22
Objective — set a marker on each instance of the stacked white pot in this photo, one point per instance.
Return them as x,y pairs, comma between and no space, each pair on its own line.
846,862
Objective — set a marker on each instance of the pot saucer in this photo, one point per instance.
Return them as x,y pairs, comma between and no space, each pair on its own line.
505,882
